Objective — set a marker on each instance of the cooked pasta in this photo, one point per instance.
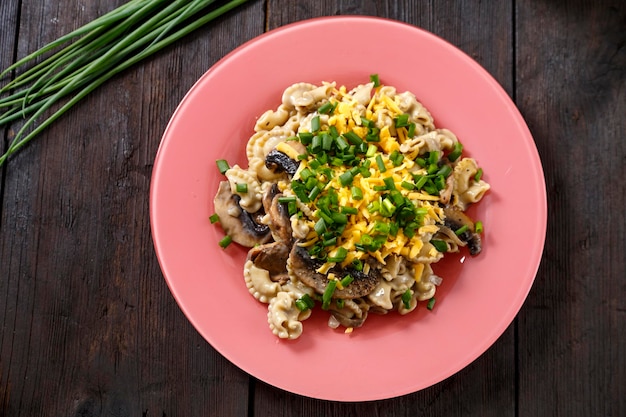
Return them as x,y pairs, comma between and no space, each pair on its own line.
348,199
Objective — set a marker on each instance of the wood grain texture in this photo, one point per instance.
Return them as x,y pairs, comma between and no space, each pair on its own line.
88,326
571,84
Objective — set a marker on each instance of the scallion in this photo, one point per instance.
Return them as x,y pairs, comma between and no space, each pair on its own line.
326,108
456,152
461,230
226,240
380,163
328,293
347,280
375,79
479,175
406,298
241,187
402,120
92,54
214,218
315,124
440,245
222,166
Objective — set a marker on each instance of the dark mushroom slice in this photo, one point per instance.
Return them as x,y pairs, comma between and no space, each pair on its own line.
269,195
455,219
273,258
243,227
304,267
277,161
280,223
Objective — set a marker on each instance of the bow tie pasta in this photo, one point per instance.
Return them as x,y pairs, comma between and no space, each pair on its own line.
348,199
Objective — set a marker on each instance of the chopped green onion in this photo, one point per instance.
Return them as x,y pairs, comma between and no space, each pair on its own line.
411,130
316,144
353,138
357,264
420,181
402,120
315,191
357,193
346,178
342,144
380,163
285,200
372,134
326,108
478,227
306,138
226,240
440,182
328,293
315,124
445,171
371,150
347,280
461,230
305,302
396,158
479,175
456,152
222,166
431,303
382,227
406,298
339,256
407,185
327,142
241,187
339,218
375,79
440,245
389,183
433,157
214,218
320,226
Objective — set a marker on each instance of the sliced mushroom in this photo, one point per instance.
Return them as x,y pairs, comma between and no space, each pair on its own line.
305,268
273,258
279,221
277,161
455,219
243,227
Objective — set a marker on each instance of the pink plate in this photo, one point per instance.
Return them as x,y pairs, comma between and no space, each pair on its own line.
391,355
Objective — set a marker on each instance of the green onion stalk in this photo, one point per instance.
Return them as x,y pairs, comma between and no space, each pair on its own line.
80,61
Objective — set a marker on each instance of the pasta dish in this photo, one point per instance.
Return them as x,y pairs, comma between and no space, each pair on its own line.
348,199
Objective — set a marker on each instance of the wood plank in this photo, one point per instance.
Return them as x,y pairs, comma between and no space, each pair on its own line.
89,326
487,386
571,85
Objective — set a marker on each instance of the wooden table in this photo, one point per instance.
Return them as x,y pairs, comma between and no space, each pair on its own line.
89,327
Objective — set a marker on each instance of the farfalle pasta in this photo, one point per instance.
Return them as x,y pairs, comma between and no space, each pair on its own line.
348,199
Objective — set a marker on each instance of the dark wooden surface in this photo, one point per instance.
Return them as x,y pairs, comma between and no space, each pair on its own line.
89,328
